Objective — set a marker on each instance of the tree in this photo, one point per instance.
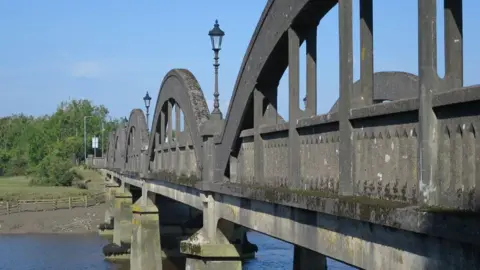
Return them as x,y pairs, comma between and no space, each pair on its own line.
47,146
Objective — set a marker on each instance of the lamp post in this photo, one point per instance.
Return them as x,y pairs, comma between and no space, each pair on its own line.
147,100
85,136
103,130
216,36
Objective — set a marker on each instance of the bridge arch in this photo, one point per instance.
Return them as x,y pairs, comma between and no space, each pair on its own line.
181,90
136,140
119,147
110,149
266,60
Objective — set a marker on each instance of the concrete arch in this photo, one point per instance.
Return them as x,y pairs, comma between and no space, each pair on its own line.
119,146
110,149
136,139
266,60
181,86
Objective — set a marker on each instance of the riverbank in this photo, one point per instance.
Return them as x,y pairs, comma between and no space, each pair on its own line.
76,220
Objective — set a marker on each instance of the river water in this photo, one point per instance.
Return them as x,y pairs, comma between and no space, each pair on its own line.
84,252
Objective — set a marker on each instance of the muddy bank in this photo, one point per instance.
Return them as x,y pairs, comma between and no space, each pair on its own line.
76,220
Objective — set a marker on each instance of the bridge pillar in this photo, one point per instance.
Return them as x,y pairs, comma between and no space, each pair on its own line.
105,229
210,247
177,222
146,250
123,217
122,226
306,259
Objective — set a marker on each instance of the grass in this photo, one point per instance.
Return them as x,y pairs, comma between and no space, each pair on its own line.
94,180
18,188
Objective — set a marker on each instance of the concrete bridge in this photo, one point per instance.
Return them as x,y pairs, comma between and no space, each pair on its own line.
374,184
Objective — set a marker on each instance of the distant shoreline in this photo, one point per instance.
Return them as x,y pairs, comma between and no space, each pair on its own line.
64,221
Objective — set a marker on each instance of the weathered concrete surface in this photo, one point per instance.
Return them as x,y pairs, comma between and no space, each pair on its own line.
198,264
380,186
183,194
122,227
362,244
305,259
358,243
106,234
211,253
146,250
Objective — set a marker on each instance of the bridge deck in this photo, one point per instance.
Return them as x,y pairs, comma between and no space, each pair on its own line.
342,227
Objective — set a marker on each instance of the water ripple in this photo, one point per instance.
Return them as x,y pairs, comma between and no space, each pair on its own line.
83,252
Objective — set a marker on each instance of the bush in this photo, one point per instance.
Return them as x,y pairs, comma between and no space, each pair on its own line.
17,165
54,171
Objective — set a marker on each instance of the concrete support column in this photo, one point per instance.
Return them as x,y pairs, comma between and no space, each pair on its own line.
110,189
209,248
105,229
122,230
239,237
146,250
119,250
306,259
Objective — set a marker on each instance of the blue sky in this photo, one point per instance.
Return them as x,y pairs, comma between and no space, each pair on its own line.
111,52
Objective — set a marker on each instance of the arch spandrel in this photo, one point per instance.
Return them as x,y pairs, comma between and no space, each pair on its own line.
119,145
181,86
266,60
110,149
136,139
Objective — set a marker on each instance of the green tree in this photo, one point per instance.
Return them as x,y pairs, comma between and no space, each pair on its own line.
47,146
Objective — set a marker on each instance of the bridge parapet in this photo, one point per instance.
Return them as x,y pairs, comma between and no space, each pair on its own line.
418,149
396,150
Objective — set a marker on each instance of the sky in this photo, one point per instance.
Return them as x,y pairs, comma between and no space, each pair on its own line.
112,52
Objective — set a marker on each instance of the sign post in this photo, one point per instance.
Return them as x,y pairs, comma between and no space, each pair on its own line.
95,145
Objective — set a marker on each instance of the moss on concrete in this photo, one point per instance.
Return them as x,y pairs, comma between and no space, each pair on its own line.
277,193
190,248
182,179
106,234
363,207
448,211
207,250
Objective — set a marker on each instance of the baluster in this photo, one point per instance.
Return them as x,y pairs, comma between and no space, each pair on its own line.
366,50
428,188
163,123
346,186
453,44
258,99
311,41
293,108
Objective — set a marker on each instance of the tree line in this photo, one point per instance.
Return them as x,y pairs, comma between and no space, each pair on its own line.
47,147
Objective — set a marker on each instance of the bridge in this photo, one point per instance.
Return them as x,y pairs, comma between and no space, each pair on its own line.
374,184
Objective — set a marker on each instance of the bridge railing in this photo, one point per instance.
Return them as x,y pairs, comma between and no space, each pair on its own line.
419,149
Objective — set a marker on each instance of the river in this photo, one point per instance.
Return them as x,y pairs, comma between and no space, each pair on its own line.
83,252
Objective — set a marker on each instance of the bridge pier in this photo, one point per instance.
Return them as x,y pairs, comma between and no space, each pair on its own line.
306,259
123,199
105,230
210,248
159,224
146,249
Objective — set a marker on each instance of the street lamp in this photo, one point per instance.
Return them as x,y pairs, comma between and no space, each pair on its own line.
147,99
216,36
85,136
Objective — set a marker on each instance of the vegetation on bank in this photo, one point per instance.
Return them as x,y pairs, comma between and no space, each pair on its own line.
44,150
14,188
